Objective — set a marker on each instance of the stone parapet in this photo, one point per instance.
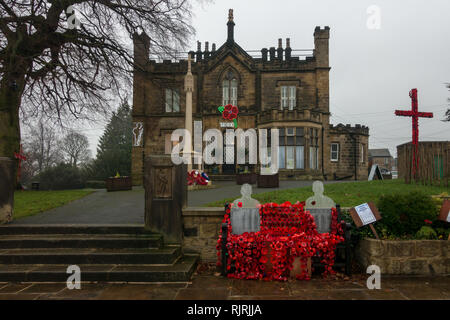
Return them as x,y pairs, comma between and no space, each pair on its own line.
406,257
201,228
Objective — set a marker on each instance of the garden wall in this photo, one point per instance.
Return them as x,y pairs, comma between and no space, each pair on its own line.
411,257
201,228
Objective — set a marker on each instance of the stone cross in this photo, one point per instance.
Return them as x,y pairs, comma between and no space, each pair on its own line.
244,214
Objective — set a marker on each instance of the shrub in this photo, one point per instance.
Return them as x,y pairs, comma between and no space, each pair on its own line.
60,177
404,214
426,232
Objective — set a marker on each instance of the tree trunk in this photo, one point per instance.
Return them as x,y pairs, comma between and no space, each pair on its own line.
11,89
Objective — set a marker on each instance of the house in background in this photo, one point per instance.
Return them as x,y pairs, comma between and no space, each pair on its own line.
273,88
381,157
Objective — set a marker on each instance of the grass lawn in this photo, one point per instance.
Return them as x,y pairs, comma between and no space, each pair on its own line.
347,194
29,203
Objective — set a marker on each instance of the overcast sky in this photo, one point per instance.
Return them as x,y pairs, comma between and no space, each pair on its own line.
372,70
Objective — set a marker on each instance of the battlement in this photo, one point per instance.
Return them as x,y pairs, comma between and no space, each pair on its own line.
323,33
357,129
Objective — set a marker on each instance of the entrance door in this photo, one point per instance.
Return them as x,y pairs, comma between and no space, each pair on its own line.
228,168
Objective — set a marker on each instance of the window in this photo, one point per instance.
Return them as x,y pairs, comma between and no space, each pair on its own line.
335,152
291,148
313,148
362,154
172,100
229,89
288,97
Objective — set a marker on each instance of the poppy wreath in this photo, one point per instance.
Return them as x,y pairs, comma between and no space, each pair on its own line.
287,231
194,177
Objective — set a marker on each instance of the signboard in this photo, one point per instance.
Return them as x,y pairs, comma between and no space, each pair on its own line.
445,211
365,214
227,125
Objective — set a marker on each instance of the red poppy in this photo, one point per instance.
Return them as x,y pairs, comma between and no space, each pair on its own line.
240,204
230,112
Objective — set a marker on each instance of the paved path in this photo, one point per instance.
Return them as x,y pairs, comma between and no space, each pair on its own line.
210,287
123,207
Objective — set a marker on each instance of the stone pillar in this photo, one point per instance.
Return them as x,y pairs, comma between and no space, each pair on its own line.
165,196
189,88
7,174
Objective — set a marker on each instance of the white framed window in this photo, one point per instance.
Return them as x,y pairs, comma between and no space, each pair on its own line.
172,100
288,97
229,89
335,152
362,154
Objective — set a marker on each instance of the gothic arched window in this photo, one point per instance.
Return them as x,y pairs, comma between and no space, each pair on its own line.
229,89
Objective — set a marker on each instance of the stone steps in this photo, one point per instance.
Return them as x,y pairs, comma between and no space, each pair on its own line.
27,229
181,271
69,256
122,253
80,241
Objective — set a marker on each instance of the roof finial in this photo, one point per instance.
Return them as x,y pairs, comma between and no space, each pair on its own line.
230,15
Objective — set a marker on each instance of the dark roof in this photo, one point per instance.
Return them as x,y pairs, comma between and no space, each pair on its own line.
379,153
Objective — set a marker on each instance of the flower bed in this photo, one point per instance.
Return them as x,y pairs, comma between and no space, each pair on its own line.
249,178
287,232
118,183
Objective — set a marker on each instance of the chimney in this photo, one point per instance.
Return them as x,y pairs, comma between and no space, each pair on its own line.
272,53
213,47
230,38
264,54
199,51
141,44
206,49
288,50
280,49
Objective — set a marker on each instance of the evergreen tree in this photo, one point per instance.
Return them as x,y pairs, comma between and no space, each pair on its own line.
114,149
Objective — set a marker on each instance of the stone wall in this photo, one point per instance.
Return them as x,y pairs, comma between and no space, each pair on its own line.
201,228
412,257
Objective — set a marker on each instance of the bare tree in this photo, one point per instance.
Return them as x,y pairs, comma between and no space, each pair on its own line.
75,147
41,147
61,56
67,57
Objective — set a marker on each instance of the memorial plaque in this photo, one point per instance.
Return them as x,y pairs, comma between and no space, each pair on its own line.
163,189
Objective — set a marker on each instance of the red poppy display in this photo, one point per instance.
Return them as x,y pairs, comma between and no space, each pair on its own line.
230,112
287,231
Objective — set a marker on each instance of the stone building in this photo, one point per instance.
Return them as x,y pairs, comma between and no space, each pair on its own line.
381,157
274,90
